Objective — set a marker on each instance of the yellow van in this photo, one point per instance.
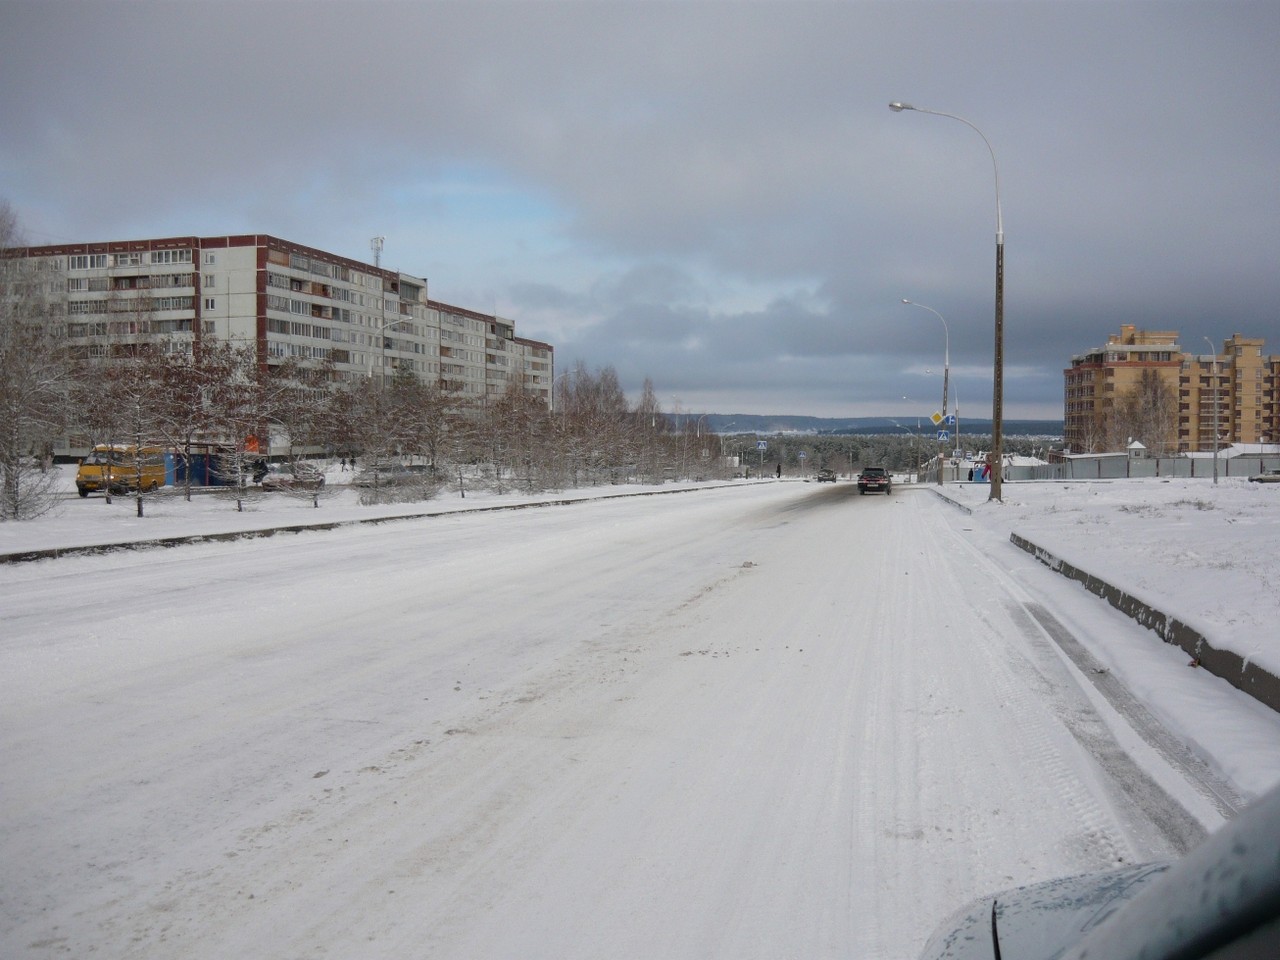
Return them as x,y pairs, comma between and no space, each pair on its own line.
114,466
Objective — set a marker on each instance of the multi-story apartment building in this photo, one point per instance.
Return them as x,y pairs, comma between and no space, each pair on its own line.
468,338
1239,389
1099,376
287,300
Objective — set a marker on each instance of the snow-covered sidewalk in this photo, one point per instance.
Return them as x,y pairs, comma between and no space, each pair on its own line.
210,512
1203,552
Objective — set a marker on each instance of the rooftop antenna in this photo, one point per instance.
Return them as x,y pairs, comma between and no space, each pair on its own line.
376,243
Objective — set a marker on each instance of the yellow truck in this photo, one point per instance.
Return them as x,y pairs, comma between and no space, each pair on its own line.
115,467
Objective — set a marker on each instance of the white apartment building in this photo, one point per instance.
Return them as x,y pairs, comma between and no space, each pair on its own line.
287,300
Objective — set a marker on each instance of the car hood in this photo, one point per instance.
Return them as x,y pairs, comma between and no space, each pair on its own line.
1038,921
1222,900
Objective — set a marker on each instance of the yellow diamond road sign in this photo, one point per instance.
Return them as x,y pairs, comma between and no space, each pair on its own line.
937,418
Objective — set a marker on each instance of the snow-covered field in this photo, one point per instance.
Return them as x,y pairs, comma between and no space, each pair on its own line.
762,720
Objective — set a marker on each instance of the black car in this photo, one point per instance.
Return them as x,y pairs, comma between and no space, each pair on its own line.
874,478
826,476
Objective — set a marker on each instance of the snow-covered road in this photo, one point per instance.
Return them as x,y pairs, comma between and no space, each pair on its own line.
768,721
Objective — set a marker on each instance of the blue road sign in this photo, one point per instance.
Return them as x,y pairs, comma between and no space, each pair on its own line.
944,434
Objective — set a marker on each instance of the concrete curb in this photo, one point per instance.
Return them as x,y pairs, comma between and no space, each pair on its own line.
955,503
149,544
1260,684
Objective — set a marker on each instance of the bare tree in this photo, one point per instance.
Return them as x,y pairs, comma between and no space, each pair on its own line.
130,391
302,410
243,396
364,424
35,374
186,419
649,426
519,433
1147,413
603,433
121,398
1094,436
430,418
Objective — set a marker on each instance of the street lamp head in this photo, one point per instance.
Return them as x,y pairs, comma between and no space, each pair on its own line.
897,107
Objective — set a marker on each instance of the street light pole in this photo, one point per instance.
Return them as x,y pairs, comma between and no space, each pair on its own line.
946,372
1216,402
997,392
551,393
383,326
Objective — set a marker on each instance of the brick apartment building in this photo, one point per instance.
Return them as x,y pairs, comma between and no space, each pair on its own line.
1239,386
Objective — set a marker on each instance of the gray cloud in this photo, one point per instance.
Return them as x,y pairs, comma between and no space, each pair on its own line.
715,194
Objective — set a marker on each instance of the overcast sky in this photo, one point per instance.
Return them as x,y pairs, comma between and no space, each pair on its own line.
713,195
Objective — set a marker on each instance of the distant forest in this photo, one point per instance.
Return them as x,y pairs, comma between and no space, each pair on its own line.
732,423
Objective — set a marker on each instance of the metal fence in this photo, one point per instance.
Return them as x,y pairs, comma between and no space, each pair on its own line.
1124,468
1116,468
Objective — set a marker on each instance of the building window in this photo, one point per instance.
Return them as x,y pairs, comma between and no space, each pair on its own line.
173,303
210,303
210,258
170,256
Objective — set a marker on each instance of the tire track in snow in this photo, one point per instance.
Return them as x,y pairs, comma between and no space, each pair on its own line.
1149,811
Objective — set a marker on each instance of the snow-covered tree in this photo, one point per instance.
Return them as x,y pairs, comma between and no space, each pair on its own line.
35,373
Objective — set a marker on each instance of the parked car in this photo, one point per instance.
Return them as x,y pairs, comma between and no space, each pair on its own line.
292,476
826,476
1266,476
1219,902
391,474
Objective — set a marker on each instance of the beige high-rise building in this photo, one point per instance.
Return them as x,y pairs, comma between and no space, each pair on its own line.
1239,388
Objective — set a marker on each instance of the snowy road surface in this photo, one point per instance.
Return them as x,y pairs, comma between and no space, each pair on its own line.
769,721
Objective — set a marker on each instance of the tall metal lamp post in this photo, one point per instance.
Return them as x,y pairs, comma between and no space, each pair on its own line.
1216,404
383,326
997,392
946,371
